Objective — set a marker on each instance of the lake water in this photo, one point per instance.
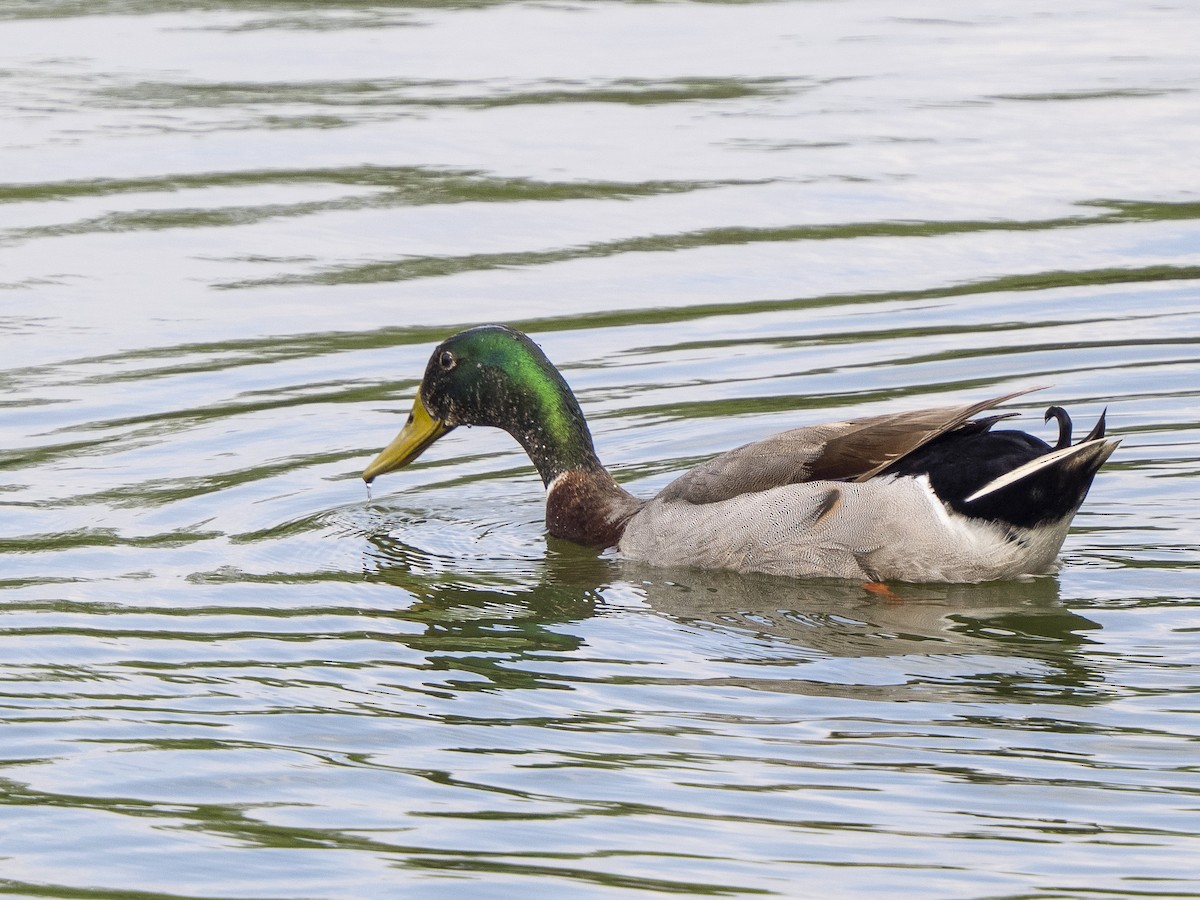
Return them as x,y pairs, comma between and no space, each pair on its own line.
230,234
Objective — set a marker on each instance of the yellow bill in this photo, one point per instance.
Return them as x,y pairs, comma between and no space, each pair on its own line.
418,432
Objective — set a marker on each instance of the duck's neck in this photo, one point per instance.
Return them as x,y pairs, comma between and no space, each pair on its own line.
554,433
586,506
583,502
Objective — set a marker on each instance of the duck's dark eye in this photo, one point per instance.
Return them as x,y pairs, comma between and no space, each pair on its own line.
446,360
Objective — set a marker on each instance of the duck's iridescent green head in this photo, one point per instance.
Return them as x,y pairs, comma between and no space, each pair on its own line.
494,375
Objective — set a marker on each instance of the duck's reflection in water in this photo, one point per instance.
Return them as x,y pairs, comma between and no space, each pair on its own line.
1015,637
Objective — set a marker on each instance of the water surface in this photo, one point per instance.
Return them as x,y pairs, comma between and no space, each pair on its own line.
231,233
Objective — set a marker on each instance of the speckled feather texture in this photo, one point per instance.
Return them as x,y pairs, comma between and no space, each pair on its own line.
889,528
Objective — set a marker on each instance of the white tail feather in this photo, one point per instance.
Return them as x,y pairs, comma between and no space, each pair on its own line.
1042,462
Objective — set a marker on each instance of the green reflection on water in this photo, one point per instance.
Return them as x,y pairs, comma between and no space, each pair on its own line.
415,267
402,92
405,185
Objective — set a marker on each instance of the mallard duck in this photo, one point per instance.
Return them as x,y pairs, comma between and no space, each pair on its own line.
924,495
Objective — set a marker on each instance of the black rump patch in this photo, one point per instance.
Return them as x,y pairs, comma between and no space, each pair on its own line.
961,462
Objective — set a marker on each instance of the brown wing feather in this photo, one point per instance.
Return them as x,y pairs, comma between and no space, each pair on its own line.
840,451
